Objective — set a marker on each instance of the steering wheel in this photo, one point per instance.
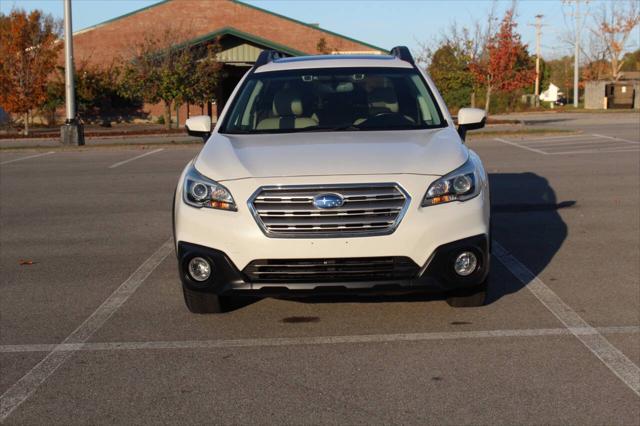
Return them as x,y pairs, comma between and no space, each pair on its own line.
385,118
384,114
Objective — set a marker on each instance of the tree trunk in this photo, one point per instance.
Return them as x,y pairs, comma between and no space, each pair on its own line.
25,119
487,100
615,68
167,115
473,99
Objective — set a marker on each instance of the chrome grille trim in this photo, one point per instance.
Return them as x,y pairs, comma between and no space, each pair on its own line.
287,211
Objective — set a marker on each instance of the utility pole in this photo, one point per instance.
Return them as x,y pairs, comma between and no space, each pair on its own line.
538,26
71,133
576,66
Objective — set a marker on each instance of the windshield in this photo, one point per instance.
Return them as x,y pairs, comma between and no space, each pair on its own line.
334,99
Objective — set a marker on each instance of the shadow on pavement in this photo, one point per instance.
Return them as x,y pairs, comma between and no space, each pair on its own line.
527,222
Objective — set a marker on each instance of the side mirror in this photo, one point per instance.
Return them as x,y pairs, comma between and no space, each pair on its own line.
199,126
470,119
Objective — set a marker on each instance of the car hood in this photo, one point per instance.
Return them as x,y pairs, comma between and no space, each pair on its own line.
425,152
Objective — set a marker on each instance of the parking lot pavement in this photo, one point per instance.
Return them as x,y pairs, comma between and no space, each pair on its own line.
575,144
94,330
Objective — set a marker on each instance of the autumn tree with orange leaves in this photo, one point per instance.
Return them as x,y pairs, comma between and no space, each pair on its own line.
28,53
613,25
506,66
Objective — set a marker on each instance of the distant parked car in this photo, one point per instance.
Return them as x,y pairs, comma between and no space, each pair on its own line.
333,174
562,99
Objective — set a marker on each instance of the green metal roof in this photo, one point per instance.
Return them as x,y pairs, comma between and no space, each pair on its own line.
243,53
246,36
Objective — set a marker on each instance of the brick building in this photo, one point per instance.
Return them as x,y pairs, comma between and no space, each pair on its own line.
242,31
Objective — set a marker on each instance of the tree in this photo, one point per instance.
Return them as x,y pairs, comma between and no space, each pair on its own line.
165,71
561,72
613,25
545,75
206,74
159,72
28,52
594,70
449,69
466,42
96,91
322,46
631,61
507,66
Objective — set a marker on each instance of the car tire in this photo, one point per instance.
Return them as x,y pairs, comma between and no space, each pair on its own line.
199,302
471,298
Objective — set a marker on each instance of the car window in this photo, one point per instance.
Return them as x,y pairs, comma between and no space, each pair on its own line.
336,99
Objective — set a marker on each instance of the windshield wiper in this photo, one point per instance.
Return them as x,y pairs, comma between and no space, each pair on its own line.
332,129
298,130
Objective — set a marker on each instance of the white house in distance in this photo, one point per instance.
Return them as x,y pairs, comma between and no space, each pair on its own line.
551,94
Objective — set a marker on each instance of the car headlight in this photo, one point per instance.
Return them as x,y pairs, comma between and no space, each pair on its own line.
459,185
200,191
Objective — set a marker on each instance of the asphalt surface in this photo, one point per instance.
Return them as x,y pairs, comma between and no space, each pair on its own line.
93,328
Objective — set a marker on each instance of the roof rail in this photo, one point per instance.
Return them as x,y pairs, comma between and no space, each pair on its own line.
403,53
267,56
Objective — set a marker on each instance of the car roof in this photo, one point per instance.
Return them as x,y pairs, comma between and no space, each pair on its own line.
333,61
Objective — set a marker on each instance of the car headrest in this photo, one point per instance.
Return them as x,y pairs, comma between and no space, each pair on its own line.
384,98
287,103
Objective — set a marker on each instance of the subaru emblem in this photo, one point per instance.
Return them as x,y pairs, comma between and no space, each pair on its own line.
328,201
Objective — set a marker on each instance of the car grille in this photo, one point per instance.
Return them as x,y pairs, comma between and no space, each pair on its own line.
289,211
330,270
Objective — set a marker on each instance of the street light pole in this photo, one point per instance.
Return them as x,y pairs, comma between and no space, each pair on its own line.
538,26
576,67
71,133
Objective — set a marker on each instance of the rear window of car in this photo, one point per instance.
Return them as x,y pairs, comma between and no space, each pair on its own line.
333,99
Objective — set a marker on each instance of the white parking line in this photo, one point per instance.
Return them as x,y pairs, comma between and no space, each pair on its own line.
544,138
617,139
24,388
611,356
596,151
573,142
585,146
113,166
320,340
26,158
537,151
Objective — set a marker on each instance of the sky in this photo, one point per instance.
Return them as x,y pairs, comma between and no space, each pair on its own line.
382,23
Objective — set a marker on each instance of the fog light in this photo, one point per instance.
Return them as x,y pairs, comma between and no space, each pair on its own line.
199,269
465,263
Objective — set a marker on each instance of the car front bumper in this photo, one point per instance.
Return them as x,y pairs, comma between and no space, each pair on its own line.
426,236
436,275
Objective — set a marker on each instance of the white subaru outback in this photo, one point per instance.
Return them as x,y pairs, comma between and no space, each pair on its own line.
339,174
